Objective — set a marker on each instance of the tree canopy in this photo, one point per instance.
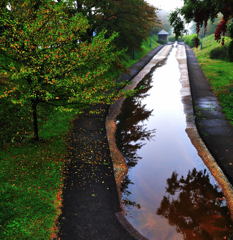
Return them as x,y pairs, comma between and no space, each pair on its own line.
200,11
132,19
49,61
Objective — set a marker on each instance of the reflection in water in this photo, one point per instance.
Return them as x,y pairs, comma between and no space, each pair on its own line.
132,133
158,203
196,207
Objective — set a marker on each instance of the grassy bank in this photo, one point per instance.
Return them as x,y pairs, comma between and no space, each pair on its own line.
147,46
219,74
31,173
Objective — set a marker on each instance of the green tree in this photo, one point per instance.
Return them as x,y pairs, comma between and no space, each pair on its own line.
177,24
132,19
49,61
200,11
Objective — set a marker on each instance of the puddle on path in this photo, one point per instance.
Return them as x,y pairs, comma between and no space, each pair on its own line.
168,194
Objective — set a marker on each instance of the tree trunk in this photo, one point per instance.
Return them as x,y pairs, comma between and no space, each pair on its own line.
35,120
133,53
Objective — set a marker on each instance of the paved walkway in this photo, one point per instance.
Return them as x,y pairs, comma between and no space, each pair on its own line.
90,194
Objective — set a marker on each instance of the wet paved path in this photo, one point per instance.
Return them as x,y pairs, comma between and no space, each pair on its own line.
213,127
90,197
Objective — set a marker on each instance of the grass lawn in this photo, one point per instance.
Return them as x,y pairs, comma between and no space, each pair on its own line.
31,174
31,177
219,74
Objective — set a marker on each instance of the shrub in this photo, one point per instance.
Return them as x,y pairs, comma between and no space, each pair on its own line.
13,121
190,40
173,39
230,51
162,41
219,53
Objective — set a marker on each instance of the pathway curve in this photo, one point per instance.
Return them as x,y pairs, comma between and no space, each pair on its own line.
90,198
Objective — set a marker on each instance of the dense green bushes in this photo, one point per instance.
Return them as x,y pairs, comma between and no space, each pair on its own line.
14,122
190,40
219,53
173,39
215,49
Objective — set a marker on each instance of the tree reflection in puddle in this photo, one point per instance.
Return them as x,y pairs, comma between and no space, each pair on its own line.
196,207
131,132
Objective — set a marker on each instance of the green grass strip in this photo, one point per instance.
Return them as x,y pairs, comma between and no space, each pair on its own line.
31,176
219,73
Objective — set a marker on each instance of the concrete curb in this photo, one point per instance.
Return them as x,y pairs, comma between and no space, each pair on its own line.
192,131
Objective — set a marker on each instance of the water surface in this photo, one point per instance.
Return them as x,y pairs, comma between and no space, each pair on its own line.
168,192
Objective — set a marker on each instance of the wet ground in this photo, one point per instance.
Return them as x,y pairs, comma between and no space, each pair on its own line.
168,192
90,199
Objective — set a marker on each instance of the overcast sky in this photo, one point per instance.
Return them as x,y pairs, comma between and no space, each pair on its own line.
167,5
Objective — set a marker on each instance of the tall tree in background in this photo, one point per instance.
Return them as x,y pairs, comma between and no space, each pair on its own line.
177,23
49,61
132,19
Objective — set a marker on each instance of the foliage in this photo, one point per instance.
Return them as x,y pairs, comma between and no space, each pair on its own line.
230,48
147,45
14,121
177,24
30,177
200,11
219,74
230,51
219,53
132,19
173,39
190,40
49,61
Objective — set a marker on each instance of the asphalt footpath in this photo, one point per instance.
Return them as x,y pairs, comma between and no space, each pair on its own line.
90,199
214,129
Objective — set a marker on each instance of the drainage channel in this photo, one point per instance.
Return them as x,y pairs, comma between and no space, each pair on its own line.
168,193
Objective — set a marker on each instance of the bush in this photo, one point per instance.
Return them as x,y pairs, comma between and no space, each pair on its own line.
162,41
173,39
219,53
14,122
190,40
230,51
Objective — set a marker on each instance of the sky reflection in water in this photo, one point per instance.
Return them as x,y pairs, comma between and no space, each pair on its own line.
168,192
